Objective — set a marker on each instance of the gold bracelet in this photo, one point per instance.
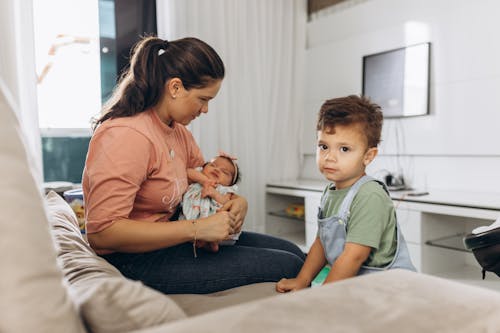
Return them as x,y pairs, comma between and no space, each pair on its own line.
194,242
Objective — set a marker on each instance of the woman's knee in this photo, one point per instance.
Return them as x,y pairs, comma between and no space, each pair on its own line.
280,264
293,264
253,239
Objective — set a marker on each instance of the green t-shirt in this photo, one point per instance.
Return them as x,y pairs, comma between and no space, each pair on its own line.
372,220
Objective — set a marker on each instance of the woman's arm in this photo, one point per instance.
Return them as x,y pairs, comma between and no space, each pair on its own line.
126,235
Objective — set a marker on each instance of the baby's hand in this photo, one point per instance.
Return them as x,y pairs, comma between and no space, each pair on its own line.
209,183
207,191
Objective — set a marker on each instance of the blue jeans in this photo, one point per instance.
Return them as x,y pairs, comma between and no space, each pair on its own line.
174,270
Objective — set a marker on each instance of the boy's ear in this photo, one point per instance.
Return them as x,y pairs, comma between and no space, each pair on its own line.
370,155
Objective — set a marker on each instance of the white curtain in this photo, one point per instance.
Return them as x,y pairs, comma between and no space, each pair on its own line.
18,75
257,114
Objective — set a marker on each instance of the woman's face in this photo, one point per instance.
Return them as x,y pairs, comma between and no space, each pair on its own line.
186,105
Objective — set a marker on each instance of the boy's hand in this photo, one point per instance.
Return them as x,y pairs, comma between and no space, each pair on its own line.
286,285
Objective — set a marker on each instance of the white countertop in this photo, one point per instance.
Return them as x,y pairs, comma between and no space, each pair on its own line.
300,184
468,199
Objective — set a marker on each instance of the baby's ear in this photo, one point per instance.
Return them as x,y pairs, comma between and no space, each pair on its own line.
370,155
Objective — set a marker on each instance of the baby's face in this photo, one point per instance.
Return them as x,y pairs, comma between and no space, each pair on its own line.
221,170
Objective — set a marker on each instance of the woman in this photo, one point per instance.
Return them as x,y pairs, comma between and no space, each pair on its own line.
136,173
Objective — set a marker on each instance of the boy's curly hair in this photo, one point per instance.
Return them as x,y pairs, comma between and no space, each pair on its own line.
352,109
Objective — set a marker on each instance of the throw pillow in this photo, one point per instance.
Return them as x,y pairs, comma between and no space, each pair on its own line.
108,301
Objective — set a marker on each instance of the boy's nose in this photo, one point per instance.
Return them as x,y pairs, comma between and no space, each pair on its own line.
330,156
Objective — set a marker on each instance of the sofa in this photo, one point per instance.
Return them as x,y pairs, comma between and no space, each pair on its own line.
52,281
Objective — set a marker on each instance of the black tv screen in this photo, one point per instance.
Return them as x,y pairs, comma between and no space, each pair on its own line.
398,80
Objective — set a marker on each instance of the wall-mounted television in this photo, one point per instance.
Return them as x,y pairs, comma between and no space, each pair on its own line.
398,80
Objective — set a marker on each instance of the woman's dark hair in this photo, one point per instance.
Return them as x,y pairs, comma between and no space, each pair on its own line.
350,110
153,62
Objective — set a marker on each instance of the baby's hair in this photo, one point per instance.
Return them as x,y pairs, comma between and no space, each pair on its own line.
237,177
349,110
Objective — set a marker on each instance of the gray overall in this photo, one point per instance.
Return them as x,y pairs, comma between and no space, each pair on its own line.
332,233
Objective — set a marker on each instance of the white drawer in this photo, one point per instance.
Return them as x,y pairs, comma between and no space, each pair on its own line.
410,222
312,202
311,232
311,217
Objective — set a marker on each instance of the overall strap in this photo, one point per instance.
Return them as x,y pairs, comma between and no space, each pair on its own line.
322,207
383,186
345,207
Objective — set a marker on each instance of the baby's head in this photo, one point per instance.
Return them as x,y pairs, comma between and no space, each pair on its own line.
349,130
223,170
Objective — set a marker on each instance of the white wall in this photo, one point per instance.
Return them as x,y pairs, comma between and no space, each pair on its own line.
457,146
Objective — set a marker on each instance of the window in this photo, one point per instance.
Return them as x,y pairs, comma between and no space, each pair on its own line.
68,70
81,48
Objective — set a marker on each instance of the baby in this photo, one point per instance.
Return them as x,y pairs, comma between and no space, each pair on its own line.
212,186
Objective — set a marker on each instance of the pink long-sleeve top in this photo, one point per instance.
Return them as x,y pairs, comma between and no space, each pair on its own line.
136,169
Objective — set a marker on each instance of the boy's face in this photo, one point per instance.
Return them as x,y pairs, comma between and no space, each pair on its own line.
342,154
221,170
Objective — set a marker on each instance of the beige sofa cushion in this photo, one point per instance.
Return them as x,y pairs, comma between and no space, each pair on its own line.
391,301
108,301
32,295
197,304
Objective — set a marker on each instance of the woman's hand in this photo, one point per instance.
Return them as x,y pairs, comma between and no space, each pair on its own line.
238,207
216,227
286,285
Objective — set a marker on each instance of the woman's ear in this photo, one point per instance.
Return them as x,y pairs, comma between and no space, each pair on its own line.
370,155
174,85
